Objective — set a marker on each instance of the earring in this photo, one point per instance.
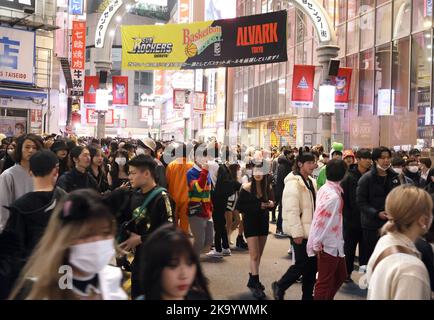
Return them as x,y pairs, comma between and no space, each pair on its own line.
424,227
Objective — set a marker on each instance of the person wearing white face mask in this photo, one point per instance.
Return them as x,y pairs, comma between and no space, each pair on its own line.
398,165
118,173
372,190
412,171
72,259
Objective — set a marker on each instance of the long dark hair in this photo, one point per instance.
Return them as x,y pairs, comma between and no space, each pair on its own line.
265,185
166,244
93,150
114,172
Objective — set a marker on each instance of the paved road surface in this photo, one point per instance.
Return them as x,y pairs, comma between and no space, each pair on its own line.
228,276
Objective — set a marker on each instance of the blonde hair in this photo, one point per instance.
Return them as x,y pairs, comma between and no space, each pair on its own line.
405,205
52,252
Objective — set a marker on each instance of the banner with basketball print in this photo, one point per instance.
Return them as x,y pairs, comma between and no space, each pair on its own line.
243,41
302,86
343,82
91,84
120,90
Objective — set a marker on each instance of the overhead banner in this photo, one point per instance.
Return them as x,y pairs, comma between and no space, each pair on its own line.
302,86
91,84
120,89
78,57
243,41
343,82
17,55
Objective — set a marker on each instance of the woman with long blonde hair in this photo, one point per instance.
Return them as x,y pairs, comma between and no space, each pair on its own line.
71,262
395,270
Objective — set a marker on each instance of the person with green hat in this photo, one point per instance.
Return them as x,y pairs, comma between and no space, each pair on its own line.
336,153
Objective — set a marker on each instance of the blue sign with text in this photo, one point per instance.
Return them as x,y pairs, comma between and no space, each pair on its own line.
76,7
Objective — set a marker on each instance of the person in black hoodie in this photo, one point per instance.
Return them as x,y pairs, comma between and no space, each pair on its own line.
285,164
78,177
60,148
352,227
31,212
372,190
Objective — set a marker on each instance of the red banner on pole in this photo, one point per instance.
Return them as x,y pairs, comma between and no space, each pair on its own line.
78,56
120,90
91,84
302,86
343,83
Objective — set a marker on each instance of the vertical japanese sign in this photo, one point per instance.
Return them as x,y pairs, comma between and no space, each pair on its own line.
91,84
302,86
343,83
183,11
120,90
78,52
199,101
17,55
76,7
158,82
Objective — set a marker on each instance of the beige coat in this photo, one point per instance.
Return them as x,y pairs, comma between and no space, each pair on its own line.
297,206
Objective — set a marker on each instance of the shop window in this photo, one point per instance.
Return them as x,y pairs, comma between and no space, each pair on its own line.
422,14
329,6
291,27
420,69
367,25
383,94
353,36
340,32
366,5
384,24
366,82
353,8
401,18
342,16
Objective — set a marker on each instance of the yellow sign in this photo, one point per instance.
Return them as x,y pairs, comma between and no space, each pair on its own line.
166,47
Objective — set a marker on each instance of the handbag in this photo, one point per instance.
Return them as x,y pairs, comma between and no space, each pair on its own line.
138,214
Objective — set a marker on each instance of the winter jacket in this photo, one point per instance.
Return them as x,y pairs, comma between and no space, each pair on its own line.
298,206
351,210
372,191
415,177
225,186
75,180
29,216
160,174
176,174
199,190
284,168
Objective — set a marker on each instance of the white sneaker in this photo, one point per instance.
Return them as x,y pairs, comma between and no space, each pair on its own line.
227,252
214,254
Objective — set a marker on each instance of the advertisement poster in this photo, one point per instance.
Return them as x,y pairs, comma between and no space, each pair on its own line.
243,41
302,86
92,116
17,55
11,127
91,84
78,57
343,82
120,90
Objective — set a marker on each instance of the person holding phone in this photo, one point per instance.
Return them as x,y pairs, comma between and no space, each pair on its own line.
255,200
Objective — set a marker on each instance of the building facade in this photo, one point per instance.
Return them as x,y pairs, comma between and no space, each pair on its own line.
388,44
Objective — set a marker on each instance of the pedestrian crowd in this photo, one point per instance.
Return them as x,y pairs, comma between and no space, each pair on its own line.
90,219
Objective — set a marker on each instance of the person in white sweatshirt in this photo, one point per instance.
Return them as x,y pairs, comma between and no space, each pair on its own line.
17,181
395,270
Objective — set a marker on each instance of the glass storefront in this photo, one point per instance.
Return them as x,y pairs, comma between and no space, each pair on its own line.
387,43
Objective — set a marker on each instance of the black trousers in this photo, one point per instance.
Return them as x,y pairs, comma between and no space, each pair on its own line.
220,232
279,216
353,236
370,238
304,266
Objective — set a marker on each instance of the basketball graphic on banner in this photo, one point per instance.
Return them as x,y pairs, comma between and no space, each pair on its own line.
191,50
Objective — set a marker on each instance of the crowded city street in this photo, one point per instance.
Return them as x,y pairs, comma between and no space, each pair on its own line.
233,152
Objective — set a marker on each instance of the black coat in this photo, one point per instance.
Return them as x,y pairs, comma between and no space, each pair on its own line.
284,168
75,180
225,186
351,212
427,258
372,191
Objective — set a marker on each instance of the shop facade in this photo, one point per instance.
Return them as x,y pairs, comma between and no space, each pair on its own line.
388,45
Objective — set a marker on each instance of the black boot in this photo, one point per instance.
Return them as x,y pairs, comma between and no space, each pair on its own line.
241,244
278,294
255,286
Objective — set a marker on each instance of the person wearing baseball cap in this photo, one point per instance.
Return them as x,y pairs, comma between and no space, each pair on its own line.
148,146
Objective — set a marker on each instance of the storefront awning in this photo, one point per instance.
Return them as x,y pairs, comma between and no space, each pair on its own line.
22,94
